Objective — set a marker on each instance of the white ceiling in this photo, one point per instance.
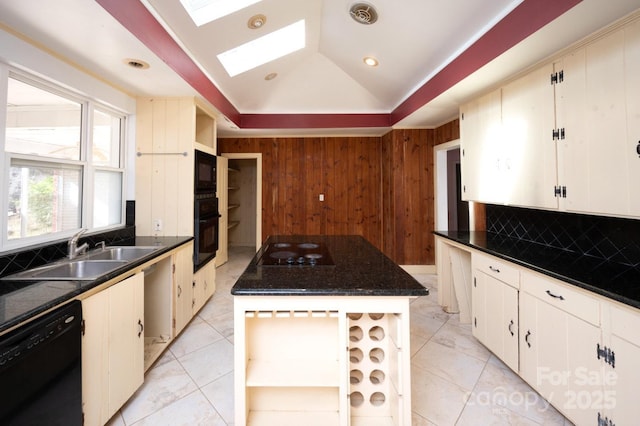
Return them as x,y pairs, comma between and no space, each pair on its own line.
413,40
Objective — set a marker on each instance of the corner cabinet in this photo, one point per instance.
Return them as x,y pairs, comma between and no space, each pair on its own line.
322,361
168,130
112,348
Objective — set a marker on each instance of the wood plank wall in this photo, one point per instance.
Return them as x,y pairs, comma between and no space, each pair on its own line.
378,187
295,171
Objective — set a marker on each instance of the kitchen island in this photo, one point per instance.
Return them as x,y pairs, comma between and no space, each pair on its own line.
322,334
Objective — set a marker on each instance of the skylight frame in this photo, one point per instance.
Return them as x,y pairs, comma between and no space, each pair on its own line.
204,11
264,49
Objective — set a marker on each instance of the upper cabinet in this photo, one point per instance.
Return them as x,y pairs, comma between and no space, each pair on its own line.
567,135
599,109
167,132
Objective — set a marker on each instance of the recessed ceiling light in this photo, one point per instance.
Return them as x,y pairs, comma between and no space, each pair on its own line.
371,61
264,49
136,63
271,76
256,21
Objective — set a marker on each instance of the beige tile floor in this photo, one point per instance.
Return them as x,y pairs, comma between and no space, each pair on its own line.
455,380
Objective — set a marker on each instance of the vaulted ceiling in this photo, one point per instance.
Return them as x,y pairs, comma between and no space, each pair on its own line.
433,55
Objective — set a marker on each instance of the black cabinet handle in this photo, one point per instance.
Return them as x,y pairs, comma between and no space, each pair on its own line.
638,148
526,338
510,325
494,269
555,296
141,328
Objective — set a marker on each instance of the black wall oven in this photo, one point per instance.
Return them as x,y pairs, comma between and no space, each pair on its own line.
206,223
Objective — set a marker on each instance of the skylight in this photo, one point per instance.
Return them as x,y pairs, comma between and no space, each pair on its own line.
264,49
205,11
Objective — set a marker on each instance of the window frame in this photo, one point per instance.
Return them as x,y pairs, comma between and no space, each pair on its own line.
85,161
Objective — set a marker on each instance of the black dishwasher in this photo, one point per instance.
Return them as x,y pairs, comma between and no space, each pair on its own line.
40,370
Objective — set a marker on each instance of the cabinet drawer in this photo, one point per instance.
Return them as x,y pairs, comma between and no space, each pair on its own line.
499,269
562,296
625,323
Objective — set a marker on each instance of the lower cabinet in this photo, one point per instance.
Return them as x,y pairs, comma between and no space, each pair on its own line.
112,348
182,287
495,307
559,339
203,285
622,366
322,361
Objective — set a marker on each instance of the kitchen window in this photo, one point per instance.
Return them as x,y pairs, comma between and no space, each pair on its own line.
65,163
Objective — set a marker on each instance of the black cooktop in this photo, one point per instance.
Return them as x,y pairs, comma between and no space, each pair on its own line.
291,254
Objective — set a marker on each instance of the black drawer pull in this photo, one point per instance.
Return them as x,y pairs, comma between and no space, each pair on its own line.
494,269
526,338
510,325
555,296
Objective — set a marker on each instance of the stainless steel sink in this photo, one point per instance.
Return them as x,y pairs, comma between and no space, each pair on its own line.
70,270
87,267
127,253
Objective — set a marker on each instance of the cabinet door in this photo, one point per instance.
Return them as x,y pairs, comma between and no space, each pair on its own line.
481,144
183,287
623,375
558,358
203,285
528,152
112,348
599,159
126,340
95,359
222,255
495,322
543,343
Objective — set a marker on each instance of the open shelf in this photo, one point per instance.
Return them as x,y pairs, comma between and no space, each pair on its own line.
153,347
293,373
292,418
233,206
233,224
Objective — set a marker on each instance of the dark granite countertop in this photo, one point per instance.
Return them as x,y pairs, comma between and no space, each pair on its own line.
616,281
21,300
360,270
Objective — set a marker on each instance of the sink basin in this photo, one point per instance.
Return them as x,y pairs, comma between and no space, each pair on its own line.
127,253
71,270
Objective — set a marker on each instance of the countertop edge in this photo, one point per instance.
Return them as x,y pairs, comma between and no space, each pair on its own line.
86,286
561,277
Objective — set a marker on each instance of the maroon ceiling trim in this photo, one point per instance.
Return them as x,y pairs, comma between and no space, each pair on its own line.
520,23
524,20
312,121
140,22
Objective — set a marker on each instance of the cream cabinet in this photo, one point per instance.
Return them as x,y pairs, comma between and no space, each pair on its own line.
483,163
322,361
564,136
222,255
167,132
559,339
598,105
204,285
622,366
112,348
495,307
183,287
528,119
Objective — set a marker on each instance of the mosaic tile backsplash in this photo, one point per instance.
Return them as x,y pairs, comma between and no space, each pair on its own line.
613,239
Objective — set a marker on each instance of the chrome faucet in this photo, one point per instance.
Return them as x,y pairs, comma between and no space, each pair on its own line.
74,250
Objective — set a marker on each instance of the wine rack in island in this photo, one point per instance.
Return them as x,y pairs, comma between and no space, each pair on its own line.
322,361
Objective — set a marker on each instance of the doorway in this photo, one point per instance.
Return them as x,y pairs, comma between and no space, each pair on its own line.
452,213
244,200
